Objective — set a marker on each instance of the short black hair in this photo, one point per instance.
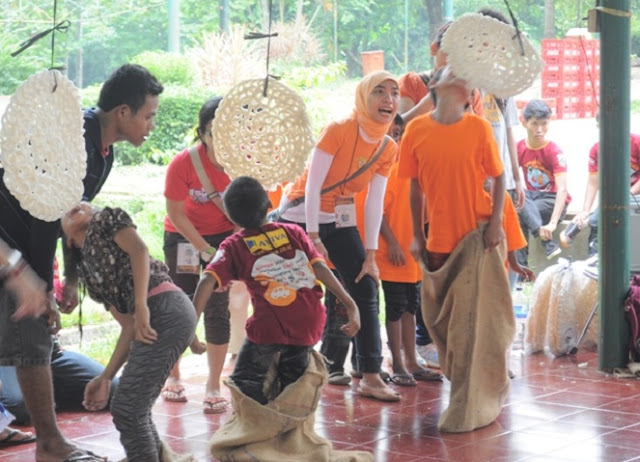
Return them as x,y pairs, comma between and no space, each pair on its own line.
398,120
536,109
495,14
207,113
246,202
129,84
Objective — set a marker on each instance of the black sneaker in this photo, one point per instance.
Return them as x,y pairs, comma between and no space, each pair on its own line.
552,249
569,234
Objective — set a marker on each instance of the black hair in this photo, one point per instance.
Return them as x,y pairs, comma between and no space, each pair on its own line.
206,114
434,79
246,202
495,14
440,33
129,84
536,109
398,120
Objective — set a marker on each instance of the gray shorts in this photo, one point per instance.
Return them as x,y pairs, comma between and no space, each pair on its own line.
23,343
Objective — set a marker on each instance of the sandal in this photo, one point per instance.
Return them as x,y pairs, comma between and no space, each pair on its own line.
174,393
339,378
214,405
427,375
14,437
383,375
404,380
381,394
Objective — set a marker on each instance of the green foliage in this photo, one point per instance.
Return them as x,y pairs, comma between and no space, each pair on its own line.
635,106
16,70
168,68
307,77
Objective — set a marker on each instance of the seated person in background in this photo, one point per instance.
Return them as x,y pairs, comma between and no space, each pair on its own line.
544,167
280,266
589,217
71,372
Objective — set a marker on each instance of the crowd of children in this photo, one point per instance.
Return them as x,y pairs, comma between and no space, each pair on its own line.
416,186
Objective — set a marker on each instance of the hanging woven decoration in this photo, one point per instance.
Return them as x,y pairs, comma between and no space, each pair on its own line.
491,55
266,137
42,148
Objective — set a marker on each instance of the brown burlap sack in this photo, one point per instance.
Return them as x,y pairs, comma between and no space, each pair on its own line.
282,430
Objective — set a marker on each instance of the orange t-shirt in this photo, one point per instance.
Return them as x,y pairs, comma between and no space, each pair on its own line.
350,152
397,212
511,226
412,87
451,163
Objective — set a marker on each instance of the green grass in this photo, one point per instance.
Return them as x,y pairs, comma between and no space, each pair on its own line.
635,106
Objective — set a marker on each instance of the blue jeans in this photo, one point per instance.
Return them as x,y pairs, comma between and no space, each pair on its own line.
70,371
347,254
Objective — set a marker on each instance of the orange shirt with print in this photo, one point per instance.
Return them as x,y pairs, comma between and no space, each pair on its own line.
350,152
397,212
412,87
451,163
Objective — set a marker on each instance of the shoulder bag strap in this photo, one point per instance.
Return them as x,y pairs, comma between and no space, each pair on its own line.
212,194
354,175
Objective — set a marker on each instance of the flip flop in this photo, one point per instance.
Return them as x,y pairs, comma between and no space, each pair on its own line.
16,437
174,393
214,405
381,394
404,380
427,375
339,378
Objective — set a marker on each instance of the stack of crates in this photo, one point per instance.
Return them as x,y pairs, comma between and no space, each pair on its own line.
572,76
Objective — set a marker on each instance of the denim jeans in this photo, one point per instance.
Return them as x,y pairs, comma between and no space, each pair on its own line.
537,210
347,255
70,371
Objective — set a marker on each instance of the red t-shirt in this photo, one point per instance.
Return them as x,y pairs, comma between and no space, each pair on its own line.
182,185
541,166
276,264
635,158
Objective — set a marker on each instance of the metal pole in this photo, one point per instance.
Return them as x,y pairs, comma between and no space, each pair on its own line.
224,16
447,10
613,227
174,26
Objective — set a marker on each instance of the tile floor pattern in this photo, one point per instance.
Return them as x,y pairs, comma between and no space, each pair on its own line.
559,410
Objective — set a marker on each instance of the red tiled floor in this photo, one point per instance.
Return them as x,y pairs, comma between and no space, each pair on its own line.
559,410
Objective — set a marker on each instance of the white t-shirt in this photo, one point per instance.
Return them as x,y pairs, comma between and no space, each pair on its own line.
499,123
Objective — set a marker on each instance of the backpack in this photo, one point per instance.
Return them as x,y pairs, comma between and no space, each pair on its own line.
632,313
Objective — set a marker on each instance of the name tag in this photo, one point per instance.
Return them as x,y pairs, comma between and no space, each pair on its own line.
188,260
345,212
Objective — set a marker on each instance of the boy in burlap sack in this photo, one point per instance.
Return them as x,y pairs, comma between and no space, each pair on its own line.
277,380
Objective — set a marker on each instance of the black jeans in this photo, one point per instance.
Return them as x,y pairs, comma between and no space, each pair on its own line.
537,211
280,364
347,254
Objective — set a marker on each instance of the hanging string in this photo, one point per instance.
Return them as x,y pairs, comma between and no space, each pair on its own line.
61,26
268,35
514,21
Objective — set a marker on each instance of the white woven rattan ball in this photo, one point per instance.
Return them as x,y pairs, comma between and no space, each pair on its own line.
42,149
268,138
487,54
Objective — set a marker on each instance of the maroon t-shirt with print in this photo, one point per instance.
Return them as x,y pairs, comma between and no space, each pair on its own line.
275,261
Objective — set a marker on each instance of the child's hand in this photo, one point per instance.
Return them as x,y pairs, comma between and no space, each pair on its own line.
351,328
526,273
396,255
96,394
197,347
418,250
144,332
493,235
546,232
